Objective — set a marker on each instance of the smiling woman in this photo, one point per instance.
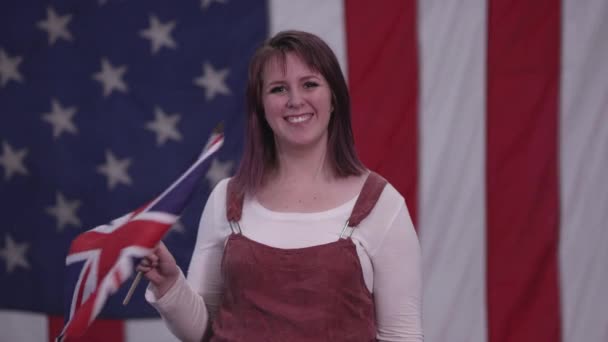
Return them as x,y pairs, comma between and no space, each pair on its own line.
304,243
314,59
297,103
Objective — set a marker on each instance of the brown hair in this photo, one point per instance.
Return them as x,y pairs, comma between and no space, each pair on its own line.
259,154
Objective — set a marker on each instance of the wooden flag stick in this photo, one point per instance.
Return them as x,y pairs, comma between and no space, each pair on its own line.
132,288
219,128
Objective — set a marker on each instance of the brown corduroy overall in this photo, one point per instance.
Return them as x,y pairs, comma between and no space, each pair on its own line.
305,294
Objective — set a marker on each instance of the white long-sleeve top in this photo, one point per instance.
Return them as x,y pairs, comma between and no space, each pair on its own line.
386,243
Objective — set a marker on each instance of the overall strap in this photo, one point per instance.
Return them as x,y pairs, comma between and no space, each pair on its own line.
372,188
234,206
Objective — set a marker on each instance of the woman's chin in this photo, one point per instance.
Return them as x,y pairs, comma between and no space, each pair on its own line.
303,142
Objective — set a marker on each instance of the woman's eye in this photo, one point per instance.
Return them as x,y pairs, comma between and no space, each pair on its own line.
310,84
277,89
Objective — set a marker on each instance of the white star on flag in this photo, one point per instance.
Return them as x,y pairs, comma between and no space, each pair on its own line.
164,126
64,212
8,68
213,81
111,77
115,170
159,34
218,171
61,119
206,3
56,26
14,254
12,161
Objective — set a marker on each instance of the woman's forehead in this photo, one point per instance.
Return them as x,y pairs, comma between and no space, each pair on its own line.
277,65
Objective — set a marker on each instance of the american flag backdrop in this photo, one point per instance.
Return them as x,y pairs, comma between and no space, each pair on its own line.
489,116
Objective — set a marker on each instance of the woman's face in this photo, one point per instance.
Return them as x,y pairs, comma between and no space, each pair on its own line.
297,103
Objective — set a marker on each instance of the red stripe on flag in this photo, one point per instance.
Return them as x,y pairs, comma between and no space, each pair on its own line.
522,182
100,330
383,77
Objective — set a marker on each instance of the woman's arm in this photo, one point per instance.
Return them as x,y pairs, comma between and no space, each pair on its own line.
190,304
397,281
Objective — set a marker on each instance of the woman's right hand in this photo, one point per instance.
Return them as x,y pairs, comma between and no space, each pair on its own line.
160,269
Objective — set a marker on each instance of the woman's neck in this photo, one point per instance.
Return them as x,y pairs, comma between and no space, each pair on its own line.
302,165
304,181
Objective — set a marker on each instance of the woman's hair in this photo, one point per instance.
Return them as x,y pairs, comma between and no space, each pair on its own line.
259,155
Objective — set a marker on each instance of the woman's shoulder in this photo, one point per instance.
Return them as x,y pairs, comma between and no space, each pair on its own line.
217,197
220,188
390,200
390,213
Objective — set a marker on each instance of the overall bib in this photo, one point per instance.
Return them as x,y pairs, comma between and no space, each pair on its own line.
313,293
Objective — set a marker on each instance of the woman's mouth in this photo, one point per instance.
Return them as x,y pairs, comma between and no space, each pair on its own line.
298,118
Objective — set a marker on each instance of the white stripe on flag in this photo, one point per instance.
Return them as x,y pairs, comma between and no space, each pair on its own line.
321,17
23,326
452,161
583,171
147,330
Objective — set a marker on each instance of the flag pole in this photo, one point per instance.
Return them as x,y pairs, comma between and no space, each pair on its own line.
219,129
132,288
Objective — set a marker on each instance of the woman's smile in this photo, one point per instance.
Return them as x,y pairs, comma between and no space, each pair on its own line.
299,118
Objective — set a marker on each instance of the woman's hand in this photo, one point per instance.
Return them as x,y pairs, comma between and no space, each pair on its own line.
160,269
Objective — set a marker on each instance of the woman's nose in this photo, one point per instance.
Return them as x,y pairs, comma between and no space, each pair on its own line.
295,99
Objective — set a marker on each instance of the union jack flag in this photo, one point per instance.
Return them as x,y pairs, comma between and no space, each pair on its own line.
103,256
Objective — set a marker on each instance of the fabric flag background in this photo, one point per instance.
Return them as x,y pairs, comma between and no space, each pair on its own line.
491,116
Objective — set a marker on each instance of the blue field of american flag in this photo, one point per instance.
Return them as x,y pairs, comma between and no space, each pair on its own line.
102,105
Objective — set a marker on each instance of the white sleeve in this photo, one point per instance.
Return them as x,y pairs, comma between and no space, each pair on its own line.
188,305
397,281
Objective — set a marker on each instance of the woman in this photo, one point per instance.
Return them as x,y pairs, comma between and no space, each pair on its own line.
304,243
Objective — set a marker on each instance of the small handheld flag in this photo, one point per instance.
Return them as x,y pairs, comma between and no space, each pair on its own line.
106,252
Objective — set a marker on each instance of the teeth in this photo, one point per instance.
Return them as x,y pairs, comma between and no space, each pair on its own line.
299,118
